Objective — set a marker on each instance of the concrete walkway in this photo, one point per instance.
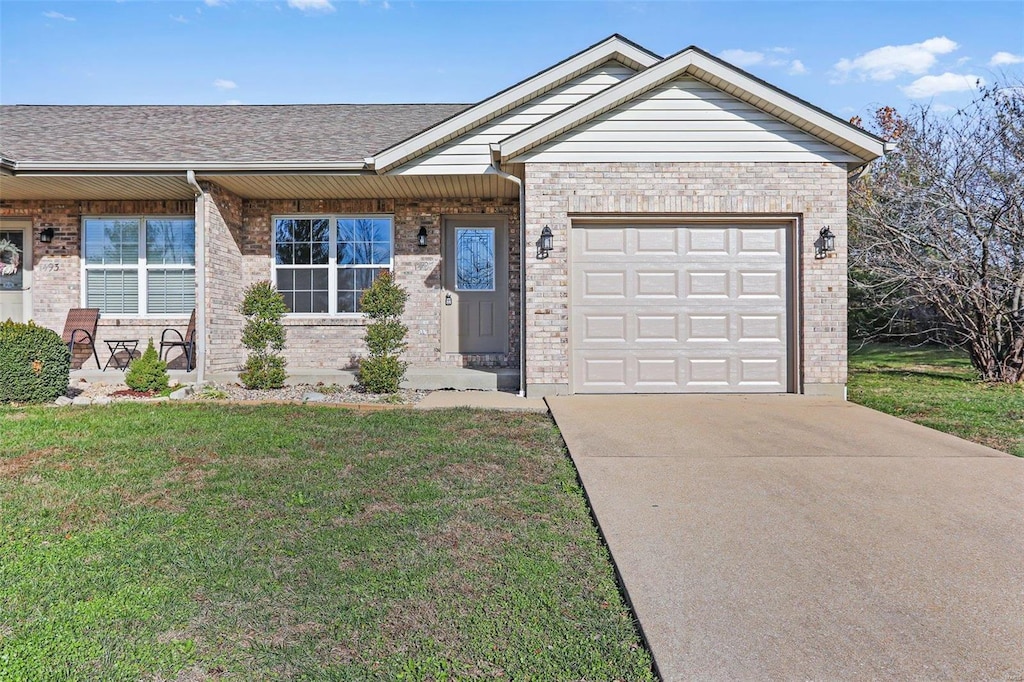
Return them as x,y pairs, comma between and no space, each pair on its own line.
793,538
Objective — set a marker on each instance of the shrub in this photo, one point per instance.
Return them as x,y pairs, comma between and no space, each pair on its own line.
34,363
147,373
264,336
384,303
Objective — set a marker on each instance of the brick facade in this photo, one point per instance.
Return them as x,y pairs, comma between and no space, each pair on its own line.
814,193
237,243
337,342
57,267
238,235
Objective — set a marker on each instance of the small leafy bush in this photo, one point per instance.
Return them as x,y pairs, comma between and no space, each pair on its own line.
384,303
148,372
34,363
264,336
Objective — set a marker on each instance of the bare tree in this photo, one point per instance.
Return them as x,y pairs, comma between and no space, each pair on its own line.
937,232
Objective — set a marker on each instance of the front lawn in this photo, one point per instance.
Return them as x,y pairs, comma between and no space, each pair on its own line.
196,541
940,389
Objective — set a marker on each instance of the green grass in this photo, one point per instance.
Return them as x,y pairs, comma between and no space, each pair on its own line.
940,389
169,541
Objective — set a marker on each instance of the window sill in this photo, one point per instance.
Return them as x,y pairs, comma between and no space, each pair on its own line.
324,321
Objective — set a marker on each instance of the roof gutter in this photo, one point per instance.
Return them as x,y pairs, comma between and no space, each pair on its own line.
522,268
200,350
177,167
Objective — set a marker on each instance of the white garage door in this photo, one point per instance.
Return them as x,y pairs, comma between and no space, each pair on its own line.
679,309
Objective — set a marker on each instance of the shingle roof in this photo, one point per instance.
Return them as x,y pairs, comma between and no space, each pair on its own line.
241,133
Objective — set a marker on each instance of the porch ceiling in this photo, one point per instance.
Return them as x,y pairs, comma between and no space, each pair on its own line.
256,186
50,187
308,186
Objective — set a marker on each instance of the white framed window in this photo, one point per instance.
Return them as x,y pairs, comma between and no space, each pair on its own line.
139,265
322,264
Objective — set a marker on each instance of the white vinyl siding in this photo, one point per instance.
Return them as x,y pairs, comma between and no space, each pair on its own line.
685,120
471,153
138,266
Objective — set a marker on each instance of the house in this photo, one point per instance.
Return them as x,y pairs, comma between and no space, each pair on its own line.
618,223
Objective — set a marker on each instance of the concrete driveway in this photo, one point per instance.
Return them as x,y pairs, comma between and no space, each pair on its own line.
794,538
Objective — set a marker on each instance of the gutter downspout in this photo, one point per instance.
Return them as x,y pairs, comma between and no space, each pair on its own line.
522,273
190,178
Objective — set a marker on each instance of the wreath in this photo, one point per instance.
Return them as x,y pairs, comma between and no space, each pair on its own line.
10,258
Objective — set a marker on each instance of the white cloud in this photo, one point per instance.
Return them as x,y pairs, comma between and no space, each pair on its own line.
57,15
233,102
886,63
781,50
1005,59
311,5
225,84
928,86
796,68
214,3
940,108
742,57
179,18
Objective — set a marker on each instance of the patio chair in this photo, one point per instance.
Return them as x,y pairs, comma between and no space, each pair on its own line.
186,342
80,328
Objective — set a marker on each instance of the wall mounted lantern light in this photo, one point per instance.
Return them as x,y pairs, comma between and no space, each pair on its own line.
544,243
421,238
46,236
825,247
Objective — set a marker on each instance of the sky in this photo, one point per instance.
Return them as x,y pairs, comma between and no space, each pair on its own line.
846,57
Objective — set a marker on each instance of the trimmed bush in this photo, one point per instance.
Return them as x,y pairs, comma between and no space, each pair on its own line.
147,373
384,303
264,336
34,363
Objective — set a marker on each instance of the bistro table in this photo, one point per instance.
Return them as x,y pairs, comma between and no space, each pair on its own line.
129,346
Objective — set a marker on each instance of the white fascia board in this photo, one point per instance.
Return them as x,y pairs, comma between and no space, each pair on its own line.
692,62
175,167
612,48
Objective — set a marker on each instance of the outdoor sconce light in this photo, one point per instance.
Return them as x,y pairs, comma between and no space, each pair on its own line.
825,247
421,238
46,236
544,243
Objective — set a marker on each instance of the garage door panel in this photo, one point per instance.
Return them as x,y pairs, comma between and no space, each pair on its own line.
657,284
597,284
710,284
705,242
703,328
760,243
656,241
679,309
754,284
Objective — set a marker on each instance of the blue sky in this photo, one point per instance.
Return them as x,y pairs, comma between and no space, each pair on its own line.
847,57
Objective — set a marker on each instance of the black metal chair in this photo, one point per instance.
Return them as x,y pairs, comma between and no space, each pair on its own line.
186,342
80,328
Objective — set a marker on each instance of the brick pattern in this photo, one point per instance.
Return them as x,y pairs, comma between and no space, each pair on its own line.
814,192
57,267
224,239
338,342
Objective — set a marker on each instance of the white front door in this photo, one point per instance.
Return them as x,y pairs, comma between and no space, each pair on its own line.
15,273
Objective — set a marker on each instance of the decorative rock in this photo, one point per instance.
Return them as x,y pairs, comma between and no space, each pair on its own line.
63,401
181,393
313,397
81,400
101,400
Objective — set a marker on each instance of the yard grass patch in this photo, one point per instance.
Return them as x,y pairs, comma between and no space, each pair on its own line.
163,541
938,388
